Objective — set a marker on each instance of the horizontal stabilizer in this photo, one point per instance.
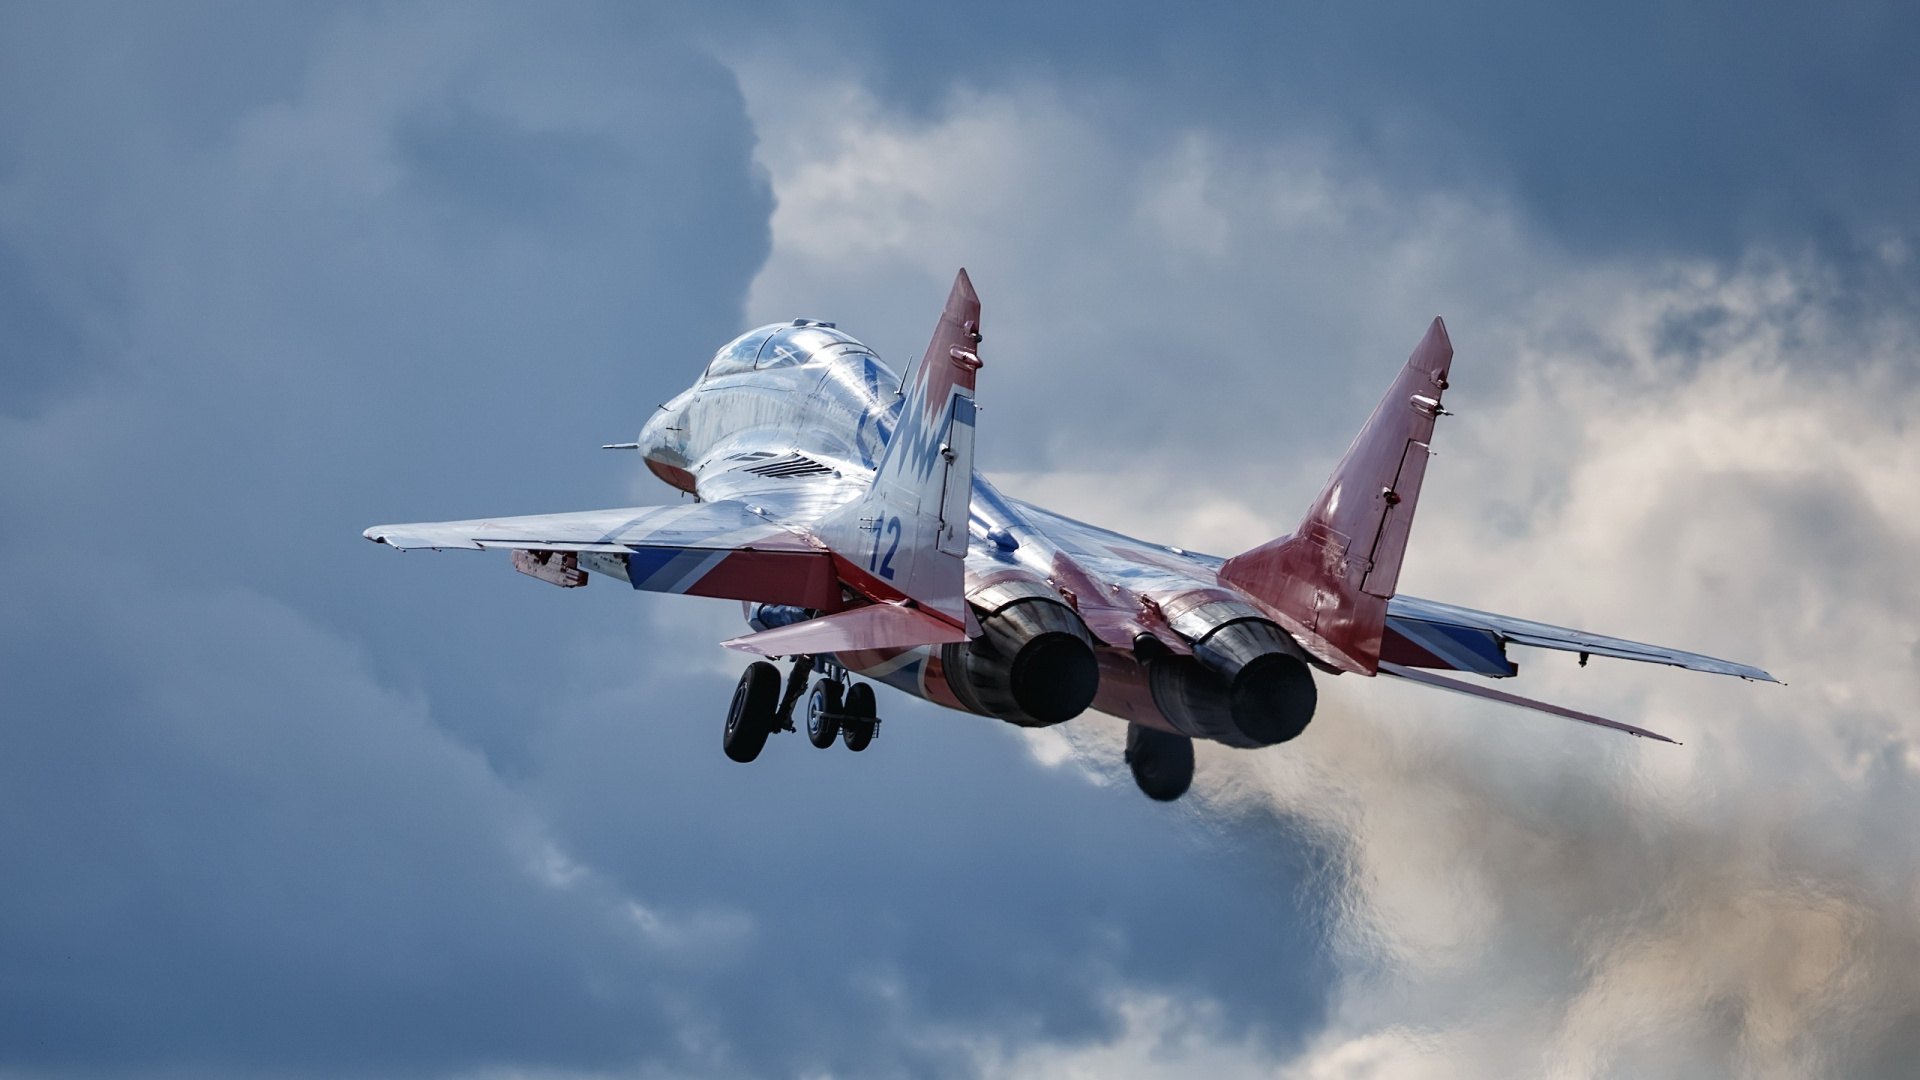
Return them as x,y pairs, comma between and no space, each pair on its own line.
877,626
1415,675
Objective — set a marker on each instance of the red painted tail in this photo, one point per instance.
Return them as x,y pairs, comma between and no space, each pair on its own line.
1328,583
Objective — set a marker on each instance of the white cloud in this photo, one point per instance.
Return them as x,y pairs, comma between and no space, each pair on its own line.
1124,284
1705,456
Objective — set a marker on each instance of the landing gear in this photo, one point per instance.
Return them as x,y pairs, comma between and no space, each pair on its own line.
860,718
796,685
1162,763
823,713
834,709
750,719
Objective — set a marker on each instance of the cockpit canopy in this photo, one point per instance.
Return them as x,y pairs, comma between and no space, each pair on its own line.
784,345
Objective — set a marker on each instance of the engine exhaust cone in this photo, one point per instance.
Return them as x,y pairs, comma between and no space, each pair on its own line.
1055,677
1032,665
1273,698
1244,686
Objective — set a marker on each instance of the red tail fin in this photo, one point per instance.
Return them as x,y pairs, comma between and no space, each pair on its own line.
1328,583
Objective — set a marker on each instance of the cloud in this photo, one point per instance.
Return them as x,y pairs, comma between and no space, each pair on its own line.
1726,906
1707,454
1125,278
1690,129
282,801
221,832
259,786
304,805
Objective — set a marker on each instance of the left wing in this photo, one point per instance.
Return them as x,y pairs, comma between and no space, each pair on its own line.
725,549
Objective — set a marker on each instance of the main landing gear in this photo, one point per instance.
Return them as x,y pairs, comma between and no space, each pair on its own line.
834,708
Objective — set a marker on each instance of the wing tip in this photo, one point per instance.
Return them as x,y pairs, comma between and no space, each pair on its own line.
378,534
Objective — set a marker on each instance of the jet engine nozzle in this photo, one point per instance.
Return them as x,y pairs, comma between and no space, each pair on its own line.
1033,663
1247,685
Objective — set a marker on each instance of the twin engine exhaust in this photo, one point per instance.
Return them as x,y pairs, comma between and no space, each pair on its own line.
1247,683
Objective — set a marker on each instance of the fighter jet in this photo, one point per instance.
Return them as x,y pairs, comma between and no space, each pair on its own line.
837,500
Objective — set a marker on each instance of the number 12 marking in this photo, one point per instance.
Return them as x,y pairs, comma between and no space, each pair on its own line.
885,566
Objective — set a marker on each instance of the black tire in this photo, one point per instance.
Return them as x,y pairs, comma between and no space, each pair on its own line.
856,730
823,709
1162,763
750,717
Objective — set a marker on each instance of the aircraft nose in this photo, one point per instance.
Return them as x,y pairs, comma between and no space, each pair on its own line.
664,444
663,436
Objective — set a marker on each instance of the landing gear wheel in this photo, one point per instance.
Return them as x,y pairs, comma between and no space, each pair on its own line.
1162,762
750,717
857,723
823,713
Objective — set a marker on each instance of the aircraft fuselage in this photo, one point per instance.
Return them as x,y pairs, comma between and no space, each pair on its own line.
806,400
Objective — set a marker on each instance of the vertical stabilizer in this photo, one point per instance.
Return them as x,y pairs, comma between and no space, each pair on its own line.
907,537
1328,583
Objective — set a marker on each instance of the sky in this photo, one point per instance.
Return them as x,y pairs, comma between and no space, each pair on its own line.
274,801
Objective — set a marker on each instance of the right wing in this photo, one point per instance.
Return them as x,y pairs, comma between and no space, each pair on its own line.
1411,675
724,549
1462,639
1425,634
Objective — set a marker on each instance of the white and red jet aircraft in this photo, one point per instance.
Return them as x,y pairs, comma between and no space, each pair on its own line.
840,504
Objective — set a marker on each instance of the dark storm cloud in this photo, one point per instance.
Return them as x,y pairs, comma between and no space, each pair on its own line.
275,800
45,350
1700,126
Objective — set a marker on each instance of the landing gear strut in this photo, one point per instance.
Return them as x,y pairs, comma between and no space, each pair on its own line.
796,685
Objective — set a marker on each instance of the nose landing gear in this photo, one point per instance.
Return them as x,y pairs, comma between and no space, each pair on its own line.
835,709
1162,763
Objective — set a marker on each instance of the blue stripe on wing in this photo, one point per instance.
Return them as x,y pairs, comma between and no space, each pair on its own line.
1462,648
671,570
